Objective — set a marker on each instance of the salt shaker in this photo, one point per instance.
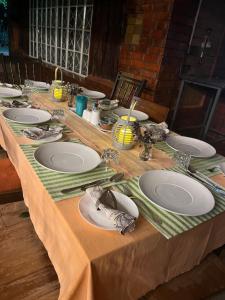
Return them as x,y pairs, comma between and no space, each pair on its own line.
95,115
87,115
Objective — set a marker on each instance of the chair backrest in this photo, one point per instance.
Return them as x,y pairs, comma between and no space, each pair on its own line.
156,112
125,88
16,70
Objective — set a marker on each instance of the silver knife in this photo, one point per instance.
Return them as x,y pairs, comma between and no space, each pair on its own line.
210,185
84,186
114,178
202,176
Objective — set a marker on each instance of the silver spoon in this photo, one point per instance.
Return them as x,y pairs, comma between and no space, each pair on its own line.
115,178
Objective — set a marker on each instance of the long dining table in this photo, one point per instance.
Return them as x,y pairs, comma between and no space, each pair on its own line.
94,264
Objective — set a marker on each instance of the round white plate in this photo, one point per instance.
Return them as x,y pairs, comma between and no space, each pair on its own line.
139,115
49,139
176,193
66,157
40,85
92,94
194,147
27,115
96,218
6,92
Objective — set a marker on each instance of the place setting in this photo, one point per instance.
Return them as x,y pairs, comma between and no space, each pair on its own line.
8,91
35,86
68,169
177,199
10,103
95,95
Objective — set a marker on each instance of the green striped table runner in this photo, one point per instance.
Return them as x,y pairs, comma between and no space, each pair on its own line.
17,127
201,164
54,182
169,224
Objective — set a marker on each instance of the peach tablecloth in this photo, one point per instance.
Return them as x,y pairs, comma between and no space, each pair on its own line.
94,264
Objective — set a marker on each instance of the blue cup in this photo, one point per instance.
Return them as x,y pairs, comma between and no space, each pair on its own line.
81,104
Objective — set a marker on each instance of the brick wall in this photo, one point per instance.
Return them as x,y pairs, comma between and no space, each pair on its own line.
143,46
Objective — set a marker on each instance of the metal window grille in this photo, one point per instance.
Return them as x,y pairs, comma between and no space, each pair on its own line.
60,33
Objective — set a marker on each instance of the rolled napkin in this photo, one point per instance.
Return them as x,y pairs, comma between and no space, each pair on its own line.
14,103
36,133
122,221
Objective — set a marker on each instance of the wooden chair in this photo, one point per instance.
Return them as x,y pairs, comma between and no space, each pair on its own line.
15,70
156,112
125,88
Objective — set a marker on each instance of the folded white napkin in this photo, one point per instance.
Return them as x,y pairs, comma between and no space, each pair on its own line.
122,221
36,133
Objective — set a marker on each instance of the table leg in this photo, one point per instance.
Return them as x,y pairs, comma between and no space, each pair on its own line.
217,97
177,104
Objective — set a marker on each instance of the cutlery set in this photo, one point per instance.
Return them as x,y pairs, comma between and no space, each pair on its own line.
115,178
206,180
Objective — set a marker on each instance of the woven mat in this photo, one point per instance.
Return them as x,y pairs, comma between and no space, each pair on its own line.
17,128
54,182
169,224
204,165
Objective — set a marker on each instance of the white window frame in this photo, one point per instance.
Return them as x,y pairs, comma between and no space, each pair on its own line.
74,60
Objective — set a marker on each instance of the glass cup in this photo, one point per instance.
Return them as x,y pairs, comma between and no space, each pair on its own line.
27,89
81,104
182,159
108,155
146,153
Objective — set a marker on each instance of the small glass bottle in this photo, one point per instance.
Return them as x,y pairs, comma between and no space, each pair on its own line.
70,95
146,153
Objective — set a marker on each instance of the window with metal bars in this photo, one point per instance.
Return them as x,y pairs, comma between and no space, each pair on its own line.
60,33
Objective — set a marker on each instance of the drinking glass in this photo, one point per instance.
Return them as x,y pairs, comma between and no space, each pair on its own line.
110,155
146,153
27,89
182,159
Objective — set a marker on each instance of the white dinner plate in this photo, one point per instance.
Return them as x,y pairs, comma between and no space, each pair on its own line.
6,92
139,115
67,157
96,218
27,115
194,147
40,85
176,193
92,94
